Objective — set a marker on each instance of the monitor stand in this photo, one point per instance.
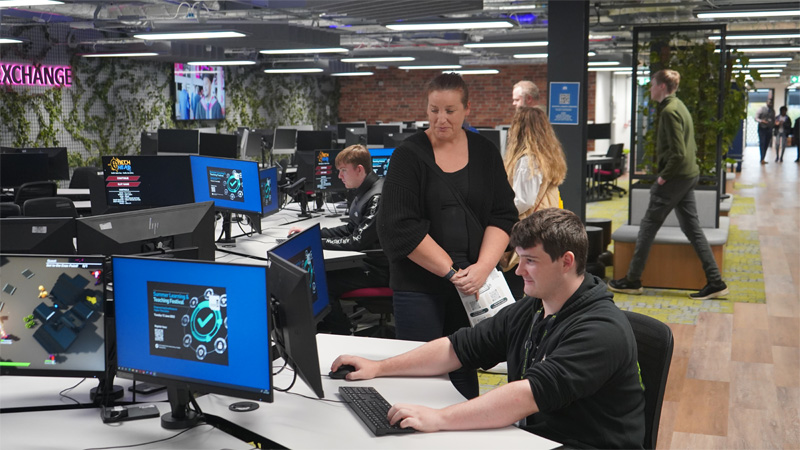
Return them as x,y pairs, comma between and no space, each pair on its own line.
106,392
226,240
303,200
180,417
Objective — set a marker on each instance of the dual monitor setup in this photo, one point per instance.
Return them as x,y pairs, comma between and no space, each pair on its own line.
22,165
193,326
245,143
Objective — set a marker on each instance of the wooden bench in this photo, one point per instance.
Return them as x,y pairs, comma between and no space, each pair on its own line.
672,262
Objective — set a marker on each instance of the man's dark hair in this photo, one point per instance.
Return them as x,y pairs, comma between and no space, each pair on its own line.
558,230
449,82
210,76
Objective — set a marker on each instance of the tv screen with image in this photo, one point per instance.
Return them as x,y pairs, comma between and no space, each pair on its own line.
199,92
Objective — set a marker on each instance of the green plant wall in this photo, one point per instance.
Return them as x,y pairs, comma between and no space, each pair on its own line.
112,100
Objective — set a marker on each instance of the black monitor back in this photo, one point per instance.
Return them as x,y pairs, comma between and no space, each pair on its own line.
598,131
57,161
314,140
375,133
355,136
178,141
149,143
37,235
219,145
393,140
150,230
17,169
491,134
341,127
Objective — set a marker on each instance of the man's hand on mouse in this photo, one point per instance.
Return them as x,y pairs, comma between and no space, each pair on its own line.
365,369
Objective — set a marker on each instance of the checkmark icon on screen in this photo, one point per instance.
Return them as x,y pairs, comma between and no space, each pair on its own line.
203,322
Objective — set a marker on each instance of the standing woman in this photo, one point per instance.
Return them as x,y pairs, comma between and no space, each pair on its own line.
446,213
536,167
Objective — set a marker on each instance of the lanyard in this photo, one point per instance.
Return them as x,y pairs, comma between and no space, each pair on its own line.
529,343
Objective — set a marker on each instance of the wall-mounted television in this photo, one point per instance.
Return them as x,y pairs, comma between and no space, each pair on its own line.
199,92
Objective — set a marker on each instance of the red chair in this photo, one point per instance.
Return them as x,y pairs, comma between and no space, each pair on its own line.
607,174
376,300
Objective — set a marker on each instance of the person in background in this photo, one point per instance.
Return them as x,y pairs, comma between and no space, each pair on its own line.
437,247
573,375
536,167
525,93
678,174
183,101
209,107
765,116
358,234
783,128
796,137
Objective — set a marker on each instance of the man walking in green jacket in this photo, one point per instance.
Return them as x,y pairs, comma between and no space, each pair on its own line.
678,174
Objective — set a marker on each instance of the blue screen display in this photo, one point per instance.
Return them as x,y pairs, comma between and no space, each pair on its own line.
380,160
199,322
232,184
268,185
305,250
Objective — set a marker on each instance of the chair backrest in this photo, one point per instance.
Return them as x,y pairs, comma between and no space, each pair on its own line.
9,209
614,151
80,177
49,207
35,189
654,343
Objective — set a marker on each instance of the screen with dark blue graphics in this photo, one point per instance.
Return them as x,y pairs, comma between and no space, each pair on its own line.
268,182
305,250
193,322
380,160
232,184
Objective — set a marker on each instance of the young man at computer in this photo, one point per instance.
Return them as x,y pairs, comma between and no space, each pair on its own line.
358,234
572,364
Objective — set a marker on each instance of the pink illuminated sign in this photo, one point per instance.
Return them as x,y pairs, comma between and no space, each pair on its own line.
16,74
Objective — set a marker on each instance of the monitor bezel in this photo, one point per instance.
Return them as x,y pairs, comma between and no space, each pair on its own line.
65,225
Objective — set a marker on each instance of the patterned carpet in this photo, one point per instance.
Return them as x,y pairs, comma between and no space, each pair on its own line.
742,272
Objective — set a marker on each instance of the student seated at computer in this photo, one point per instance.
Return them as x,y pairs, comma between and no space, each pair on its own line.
572,361
359,233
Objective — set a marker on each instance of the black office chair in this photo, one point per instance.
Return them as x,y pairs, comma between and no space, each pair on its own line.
35,189
654,343
9,209
80,177
49,207
607,174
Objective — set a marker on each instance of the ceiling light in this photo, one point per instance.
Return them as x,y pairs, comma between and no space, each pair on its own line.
296,70
731,13
764,49
301,51
10,41
591,53
506,44
758,66
352,74
770,75
756,36
778,59
467,25
221,63
603,63
119,55
606,69
378,59
440,66
770,70
474,71
530,55
189,35
20,3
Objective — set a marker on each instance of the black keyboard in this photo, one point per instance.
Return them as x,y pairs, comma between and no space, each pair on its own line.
280,240
372,408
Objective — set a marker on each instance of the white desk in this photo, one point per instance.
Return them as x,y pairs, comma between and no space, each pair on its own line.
22,392
73,194
298,422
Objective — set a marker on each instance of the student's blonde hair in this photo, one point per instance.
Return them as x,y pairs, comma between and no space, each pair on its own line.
532,135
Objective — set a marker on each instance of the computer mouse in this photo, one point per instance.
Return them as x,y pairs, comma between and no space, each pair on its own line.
341,372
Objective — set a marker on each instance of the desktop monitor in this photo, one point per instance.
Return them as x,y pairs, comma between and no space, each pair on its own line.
380,160
392,140
194,326
181,229
294,331
306,161
149,143
341,127
57,161
314,140
355,136
598,131
17,169
232,184
178,141
219,145
268,184
137,182
285,139
375,133
53,310
37,235
492,134
254,144
304,249
326,175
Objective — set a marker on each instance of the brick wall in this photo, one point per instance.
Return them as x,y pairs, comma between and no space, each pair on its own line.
393,95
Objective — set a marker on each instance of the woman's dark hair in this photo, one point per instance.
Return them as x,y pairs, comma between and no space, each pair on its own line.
449,82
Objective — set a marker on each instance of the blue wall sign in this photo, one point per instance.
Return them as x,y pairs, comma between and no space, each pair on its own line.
564,101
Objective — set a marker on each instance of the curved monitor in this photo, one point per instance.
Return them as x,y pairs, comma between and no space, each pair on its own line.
177,228
53,316
39,235
304,250
232,184
195,327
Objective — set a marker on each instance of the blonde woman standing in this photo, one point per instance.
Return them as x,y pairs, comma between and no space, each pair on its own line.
536,166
